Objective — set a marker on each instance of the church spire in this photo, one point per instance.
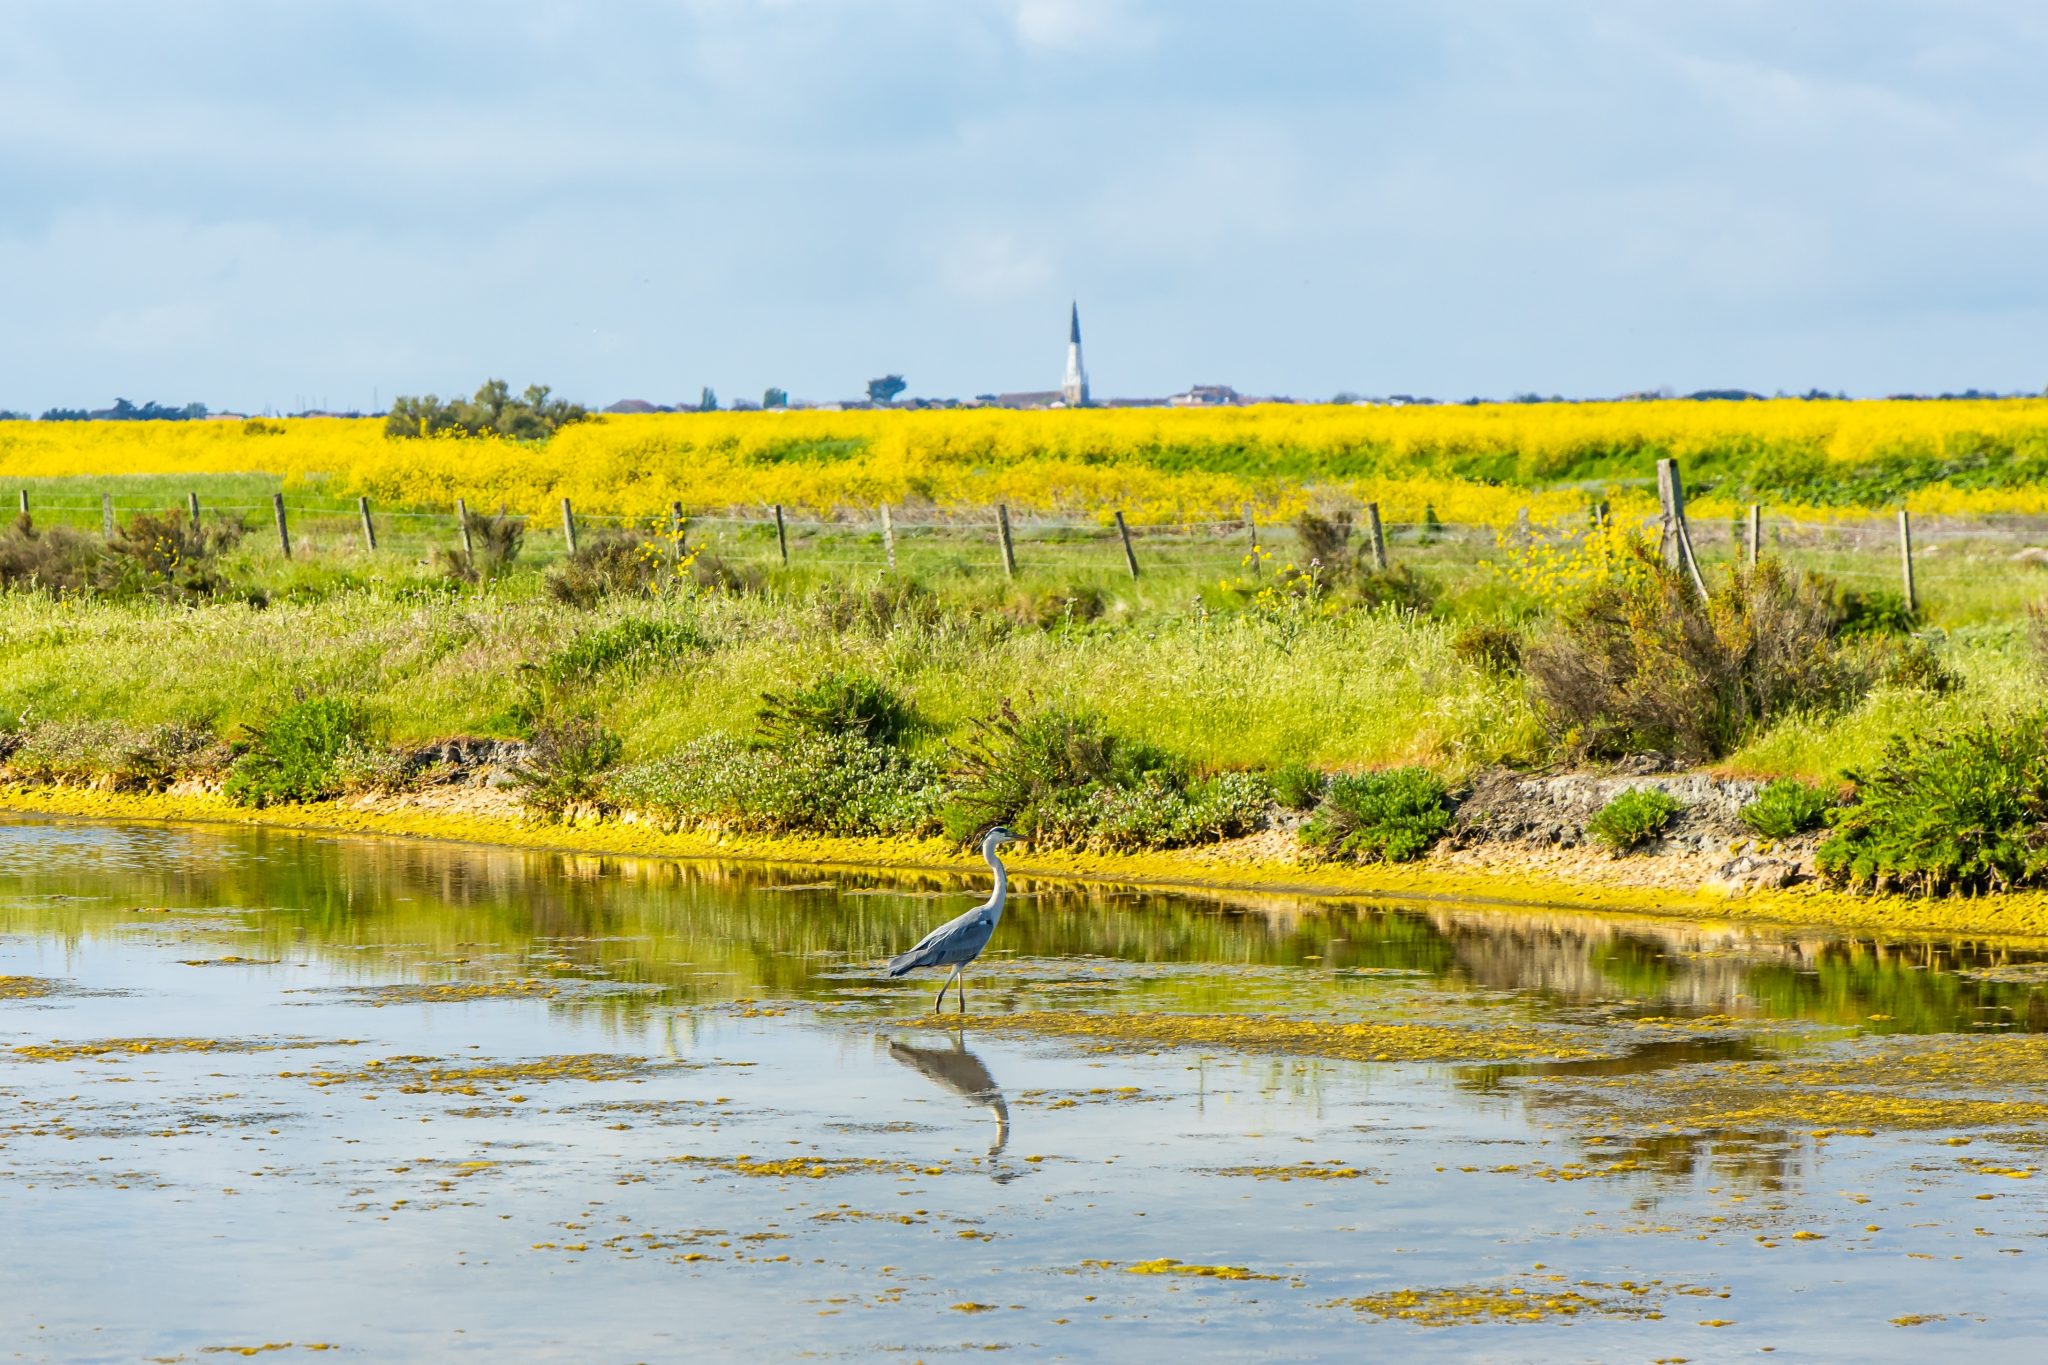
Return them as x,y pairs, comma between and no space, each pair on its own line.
1074,389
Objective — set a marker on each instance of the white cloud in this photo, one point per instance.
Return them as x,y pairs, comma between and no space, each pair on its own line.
1078,24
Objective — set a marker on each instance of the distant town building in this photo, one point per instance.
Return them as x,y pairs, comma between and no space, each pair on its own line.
1074,388
1205,396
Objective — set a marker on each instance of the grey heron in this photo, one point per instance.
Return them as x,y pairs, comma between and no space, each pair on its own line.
958,942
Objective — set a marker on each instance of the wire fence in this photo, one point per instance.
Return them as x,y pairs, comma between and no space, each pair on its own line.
1866,551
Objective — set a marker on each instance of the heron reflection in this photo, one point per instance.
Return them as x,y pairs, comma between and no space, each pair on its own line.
963,1073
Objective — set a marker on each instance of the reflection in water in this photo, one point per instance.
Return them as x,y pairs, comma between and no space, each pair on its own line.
963,1073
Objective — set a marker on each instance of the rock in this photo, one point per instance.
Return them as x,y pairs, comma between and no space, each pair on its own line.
2034,554
1750,872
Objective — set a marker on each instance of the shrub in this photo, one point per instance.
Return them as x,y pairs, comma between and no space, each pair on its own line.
814,784
1915,667
1297,786
1494,650
1159,813
494,545
1393,816
1632,818
630,644
166,555
1787,807
2037,634
58,559
1036,774
1882,612
1398,587
1640,663
566,759
1967,811
606,565
1326,540
844,703
297,756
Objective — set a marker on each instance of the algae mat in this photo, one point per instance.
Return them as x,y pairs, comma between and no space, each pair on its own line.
275,1093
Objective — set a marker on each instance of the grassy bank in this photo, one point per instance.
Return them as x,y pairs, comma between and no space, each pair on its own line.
2020,915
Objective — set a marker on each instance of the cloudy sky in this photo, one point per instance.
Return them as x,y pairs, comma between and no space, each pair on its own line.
257,203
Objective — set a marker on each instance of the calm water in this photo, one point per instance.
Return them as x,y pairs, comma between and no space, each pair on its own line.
413,1102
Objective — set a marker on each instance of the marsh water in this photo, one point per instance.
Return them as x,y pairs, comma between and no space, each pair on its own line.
285,1094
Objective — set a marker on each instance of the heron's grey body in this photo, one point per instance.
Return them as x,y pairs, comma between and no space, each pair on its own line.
958,942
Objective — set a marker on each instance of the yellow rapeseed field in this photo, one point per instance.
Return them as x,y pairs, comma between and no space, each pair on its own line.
1478,464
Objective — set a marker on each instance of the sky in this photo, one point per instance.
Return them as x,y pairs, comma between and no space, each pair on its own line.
267,205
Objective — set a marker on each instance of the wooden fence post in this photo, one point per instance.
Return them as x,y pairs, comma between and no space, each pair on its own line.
1679,537
781,535
369,529
1130,555
1003,534
1906,558
192,507
1755,535
1251,529
107,516
568,526
462,519
889,537
284,534
675,533
1375,537
1667,532
25,521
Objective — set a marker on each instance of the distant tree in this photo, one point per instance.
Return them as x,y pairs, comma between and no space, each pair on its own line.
775,398
66,415
532,416
10,415
885,389
709,402
1345,396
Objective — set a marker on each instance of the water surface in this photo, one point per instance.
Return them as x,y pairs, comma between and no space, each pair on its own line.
404,1101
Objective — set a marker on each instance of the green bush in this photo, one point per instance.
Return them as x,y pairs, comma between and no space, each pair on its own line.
532,416
1037,774
1494,650
606,564
1915,667
1633,818
1965,811
630,644
839,703
1861,615
1298,786
1787,807
297,757
494,543
1641,664
566,760
813,784
1158,813
1392,816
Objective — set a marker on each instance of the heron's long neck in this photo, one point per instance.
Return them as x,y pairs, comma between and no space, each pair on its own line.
995,901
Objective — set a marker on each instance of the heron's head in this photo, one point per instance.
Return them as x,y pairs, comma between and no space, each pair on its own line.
999,836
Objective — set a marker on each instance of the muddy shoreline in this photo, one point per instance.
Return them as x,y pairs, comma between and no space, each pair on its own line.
1701,870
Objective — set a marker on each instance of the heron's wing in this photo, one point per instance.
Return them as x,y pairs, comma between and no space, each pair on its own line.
931,949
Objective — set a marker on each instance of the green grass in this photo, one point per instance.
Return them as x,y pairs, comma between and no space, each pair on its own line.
1180,659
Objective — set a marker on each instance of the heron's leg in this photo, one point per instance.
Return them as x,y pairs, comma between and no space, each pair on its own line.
960,991
942,989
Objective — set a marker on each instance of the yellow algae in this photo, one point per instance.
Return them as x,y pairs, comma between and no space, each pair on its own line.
806,1168
1918,1319
1270,1033
229,961
2019,914
1305,1170
1539,1299
443,992
1167,1265
143,1047
971,1307
411,1075
25,987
